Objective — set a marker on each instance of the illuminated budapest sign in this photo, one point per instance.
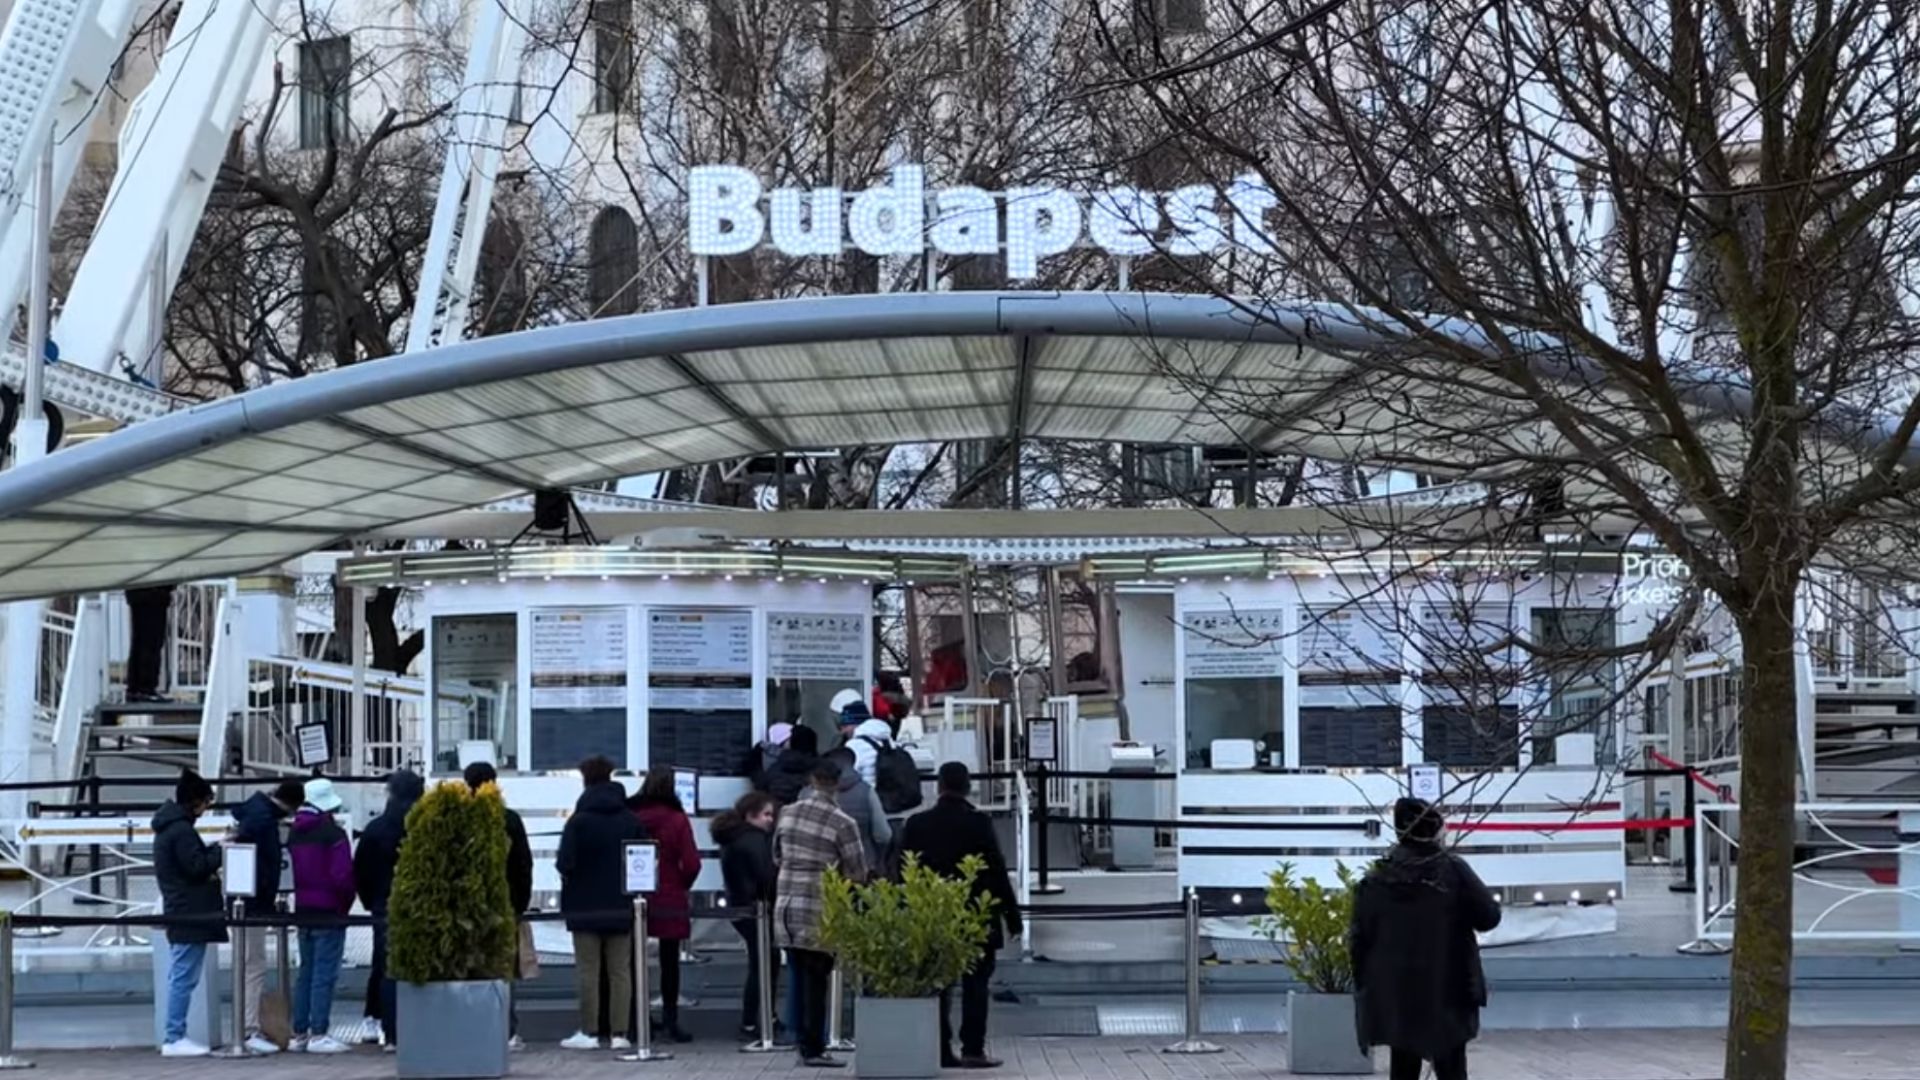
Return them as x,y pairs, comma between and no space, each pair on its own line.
729,213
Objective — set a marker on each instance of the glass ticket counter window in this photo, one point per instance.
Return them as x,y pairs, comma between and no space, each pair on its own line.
810,658
475,676
1235,677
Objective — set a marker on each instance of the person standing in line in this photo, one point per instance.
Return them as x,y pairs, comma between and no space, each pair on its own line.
373,866
188,871
760,759
669,907
862,733
520,889
1418,985
860,802
322,885
257,821
943,836
593,898
813,835
745,836
787,778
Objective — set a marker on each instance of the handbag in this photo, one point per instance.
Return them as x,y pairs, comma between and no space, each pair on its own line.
276,1025
527,961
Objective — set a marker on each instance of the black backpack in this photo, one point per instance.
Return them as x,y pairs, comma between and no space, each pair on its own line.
896,777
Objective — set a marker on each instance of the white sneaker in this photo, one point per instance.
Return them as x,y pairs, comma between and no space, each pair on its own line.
297,1044
326,1044
261,1045
618,1043
184,1048
516,1044
580,1040
366,1032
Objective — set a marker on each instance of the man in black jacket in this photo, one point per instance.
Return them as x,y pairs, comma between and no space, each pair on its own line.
943,837
373,866
593,897
257,821
791,774
519,883
188,871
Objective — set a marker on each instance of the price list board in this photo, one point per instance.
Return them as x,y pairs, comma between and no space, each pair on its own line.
1350,738
700,689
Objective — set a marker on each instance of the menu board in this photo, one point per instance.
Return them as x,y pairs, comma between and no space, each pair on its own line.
825,647
579,658
1243,644
700,689
1348,637
699,660
578,691
1349,738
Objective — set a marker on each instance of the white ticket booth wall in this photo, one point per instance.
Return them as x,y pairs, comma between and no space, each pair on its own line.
539,658
1303,695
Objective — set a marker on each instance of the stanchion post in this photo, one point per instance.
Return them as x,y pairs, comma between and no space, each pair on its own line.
237,1030
837,1011
763,941
8,1059
642,991
1192,1043
1691,802
1040,815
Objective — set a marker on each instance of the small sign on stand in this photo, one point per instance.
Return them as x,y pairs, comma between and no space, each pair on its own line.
686,788
313,745
1423,782
239,870
642,867
1043,747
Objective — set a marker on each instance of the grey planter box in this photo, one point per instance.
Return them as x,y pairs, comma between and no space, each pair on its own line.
1322,1039
896,1038
452,1030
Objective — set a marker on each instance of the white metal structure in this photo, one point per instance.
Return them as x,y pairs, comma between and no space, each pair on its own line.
1854,887
465,198
171,154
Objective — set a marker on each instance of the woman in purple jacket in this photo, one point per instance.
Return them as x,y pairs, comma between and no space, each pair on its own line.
322,885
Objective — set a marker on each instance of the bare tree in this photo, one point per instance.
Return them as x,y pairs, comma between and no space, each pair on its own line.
1655,261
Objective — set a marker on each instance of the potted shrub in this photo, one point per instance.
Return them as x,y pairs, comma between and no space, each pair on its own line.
451,935
1311,921
903,942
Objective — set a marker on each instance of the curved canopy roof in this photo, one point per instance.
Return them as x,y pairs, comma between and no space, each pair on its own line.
247,481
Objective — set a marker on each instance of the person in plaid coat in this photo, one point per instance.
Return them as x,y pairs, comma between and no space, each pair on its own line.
813,834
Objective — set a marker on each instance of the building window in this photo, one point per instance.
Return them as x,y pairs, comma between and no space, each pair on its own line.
1171,16
612,22
614,264
326,72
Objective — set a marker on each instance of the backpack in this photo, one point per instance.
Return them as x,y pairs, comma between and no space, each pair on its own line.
896,777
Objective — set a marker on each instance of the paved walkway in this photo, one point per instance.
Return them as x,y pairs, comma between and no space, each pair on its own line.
1824,1054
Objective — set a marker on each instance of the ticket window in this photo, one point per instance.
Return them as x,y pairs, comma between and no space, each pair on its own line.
811,657
1234,683
475,691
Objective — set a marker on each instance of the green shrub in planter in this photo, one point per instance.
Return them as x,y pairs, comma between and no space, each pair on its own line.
451,918
1312,922
910,938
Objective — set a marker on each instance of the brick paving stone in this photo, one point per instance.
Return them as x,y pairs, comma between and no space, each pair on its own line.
1818,1054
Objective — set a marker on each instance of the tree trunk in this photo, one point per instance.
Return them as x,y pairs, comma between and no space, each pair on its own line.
1763,927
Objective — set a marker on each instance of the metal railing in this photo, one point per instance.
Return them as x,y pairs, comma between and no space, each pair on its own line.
283,695
56,649
83,685
1850,850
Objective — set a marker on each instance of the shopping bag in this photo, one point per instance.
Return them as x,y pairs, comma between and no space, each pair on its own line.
275,1019
527,963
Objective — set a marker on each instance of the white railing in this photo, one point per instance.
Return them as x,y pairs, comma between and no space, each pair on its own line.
1856,846
82,686
284,694
56,648
191,626
225,690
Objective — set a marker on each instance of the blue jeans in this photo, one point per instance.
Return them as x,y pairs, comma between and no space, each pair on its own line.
320,953
184,964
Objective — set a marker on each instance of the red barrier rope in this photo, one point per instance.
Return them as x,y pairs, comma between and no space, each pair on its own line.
1718,791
